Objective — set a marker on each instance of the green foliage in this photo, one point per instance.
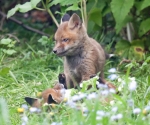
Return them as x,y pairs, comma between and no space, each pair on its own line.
93,16
133,50
27,76
120,9
4,114
88,111
36,68
103,14
51,60
63,2
44,40
142,4
7,46
74,7
144,27
4,71
86,84
23,8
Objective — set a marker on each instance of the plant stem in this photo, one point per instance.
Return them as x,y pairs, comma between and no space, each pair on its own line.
43,4
129,34
50,13
82,13
85,14
54,19
2,58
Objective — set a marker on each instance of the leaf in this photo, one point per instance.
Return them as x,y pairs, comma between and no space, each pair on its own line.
4,71
144,27
34,2
9,51
13,76
13,11
5,41
91,4
147,59
118,27
63,2
91,25
57,12
91,82
122,48
148,80
44,40
120,9
137,48
10,45
4,114
73,7
133,50
96,16
25,7
147,43
140,5
106,11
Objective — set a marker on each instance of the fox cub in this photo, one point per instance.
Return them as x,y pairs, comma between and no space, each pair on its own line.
49,96
83,56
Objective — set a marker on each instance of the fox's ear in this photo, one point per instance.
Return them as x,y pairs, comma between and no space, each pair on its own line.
66,17
34,102
74,22
50,99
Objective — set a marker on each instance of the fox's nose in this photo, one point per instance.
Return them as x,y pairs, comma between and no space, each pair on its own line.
55,51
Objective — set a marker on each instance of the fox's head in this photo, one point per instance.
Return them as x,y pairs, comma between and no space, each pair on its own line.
69,36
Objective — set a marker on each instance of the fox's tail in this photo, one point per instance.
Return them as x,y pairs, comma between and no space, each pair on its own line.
109,55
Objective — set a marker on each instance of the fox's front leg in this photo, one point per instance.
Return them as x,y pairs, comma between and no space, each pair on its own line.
62,79
86,73
69,82
86,76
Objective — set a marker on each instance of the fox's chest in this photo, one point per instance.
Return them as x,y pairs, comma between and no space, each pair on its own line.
73,64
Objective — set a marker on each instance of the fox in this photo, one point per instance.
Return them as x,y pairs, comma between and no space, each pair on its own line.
58,94
53,95
82,55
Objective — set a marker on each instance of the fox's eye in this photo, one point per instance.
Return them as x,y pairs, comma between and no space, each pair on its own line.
65,40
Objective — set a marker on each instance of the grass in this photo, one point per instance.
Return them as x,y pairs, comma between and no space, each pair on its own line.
21,76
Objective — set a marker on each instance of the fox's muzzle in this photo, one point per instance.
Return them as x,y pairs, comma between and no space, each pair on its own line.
55,51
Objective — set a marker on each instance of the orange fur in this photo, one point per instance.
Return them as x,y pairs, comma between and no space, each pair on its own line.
83,56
